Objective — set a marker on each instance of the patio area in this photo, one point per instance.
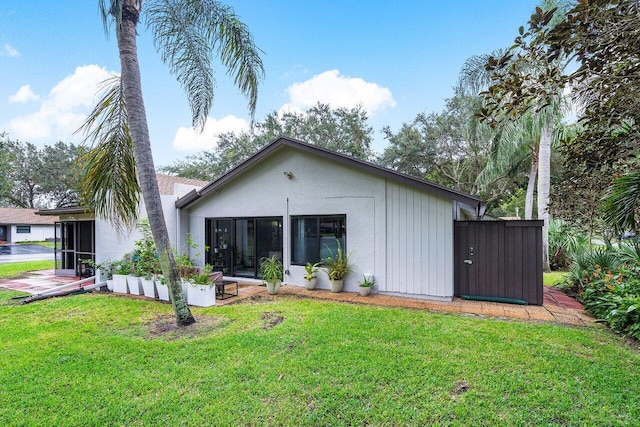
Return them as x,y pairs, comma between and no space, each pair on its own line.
557,308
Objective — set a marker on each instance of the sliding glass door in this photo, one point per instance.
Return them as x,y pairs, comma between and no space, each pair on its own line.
238,244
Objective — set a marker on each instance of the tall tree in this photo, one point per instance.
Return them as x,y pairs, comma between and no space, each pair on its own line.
510,95
340,129
188,34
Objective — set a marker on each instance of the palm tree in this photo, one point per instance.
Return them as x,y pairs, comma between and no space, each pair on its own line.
187,34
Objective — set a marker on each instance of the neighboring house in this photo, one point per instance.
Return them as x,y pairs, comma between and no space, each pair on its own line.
23,225
297,201
83,237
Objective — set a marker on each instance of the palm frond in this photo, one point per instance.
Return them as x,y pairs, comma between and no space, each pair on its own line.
621,200
187,33
474,76
108,180
114,10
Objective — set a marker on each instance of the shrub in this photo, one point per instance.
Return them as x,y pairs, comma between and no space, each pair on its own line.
615,298
565,243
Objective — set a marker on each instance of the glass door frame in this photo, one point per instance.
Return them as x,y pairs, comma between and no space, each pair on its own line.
223,245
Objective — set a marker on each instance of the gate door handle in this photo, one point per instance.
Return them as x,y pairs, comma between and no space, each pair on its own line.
468,261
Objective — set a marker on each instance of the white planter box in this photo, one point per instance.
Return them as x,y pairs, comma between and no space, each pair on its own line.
149,288
201,295
135,288
110,285
120,284
163,291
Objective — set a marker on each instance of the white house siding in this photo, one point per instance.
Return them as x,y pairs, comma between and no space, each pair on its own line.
39,233
318,187
111,246
419,243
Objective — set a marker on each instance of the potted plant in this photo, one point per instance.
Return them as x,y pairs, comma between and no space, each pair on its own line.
272,272
106,270
146,257
122,269
201,290
310,275
365,286
337,267
133,279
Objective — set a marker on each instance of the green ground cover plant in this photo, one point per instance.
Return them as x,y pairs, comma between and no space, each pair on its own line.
19,269
101,359
606,281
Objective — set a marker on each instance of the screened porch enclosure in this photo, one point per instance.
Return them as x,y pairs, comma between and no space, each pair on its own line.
74,247
236,245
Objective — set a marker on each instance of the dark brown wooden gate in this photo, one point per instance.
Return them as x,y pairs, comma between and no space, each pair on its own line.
498,261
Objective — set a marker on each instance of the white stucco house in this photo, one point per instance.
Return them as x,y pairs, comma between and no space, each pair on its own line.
81,236
296,200
23,225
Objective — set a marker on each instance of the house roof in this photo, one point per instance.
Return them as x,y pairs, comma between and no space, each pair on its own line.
23,217
477,204
166,183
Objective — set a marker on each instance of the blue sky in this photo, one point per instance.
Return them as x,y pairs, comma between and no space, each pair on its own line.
396,58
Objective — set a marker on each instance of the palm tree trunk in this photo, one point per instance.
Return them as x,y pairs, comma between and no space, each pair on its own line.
144,158
531,185
544,184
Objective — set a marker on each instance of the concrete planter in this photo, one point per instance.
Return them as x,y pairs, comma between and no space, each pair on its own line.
110,285
273,288
364,290
120,284
336,285
163,290
201,295
310,284
133,282
149,288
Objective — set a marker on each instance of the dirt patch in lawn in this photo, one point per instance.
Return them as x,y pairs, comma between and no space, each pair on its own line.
271,319
164,327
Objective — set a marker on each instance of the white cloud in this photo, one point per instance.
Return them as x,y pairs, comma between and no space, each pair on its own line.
64,109
24,95
188,139
9,50
338,91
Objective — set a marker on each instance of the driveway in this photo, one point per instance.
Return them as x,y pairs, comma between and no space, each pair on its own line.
17,253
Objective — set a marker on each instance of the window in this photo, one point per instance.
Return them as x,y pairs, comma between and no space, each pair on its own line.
23,229
314,238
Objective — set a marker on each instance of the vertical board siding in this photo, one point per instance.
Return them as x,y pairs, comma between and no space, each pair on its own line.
419,242
507,260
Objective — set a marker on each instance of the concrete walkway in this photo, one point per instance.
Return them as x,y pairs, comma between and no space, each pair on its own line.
557,308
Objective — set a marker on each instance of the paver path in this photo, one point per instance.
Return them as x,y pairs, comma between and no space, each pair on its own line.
558,307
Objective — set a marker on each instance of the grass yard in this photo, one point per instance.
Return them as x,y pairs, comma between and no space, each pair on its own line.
18,269
39,243
100,359
553,278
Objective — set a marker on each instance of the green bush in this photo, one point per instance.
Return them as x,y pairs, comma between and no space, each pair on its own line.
565,243
614,296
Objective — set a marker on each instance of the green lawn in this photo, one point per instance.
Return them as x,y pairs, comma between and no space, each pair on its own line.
99,359
553,278
38,242
19,269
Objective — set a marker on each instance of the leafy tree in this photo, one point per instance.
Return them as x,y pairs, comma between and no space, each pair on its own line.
38,178
188,34
450,148
514,76
344,130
